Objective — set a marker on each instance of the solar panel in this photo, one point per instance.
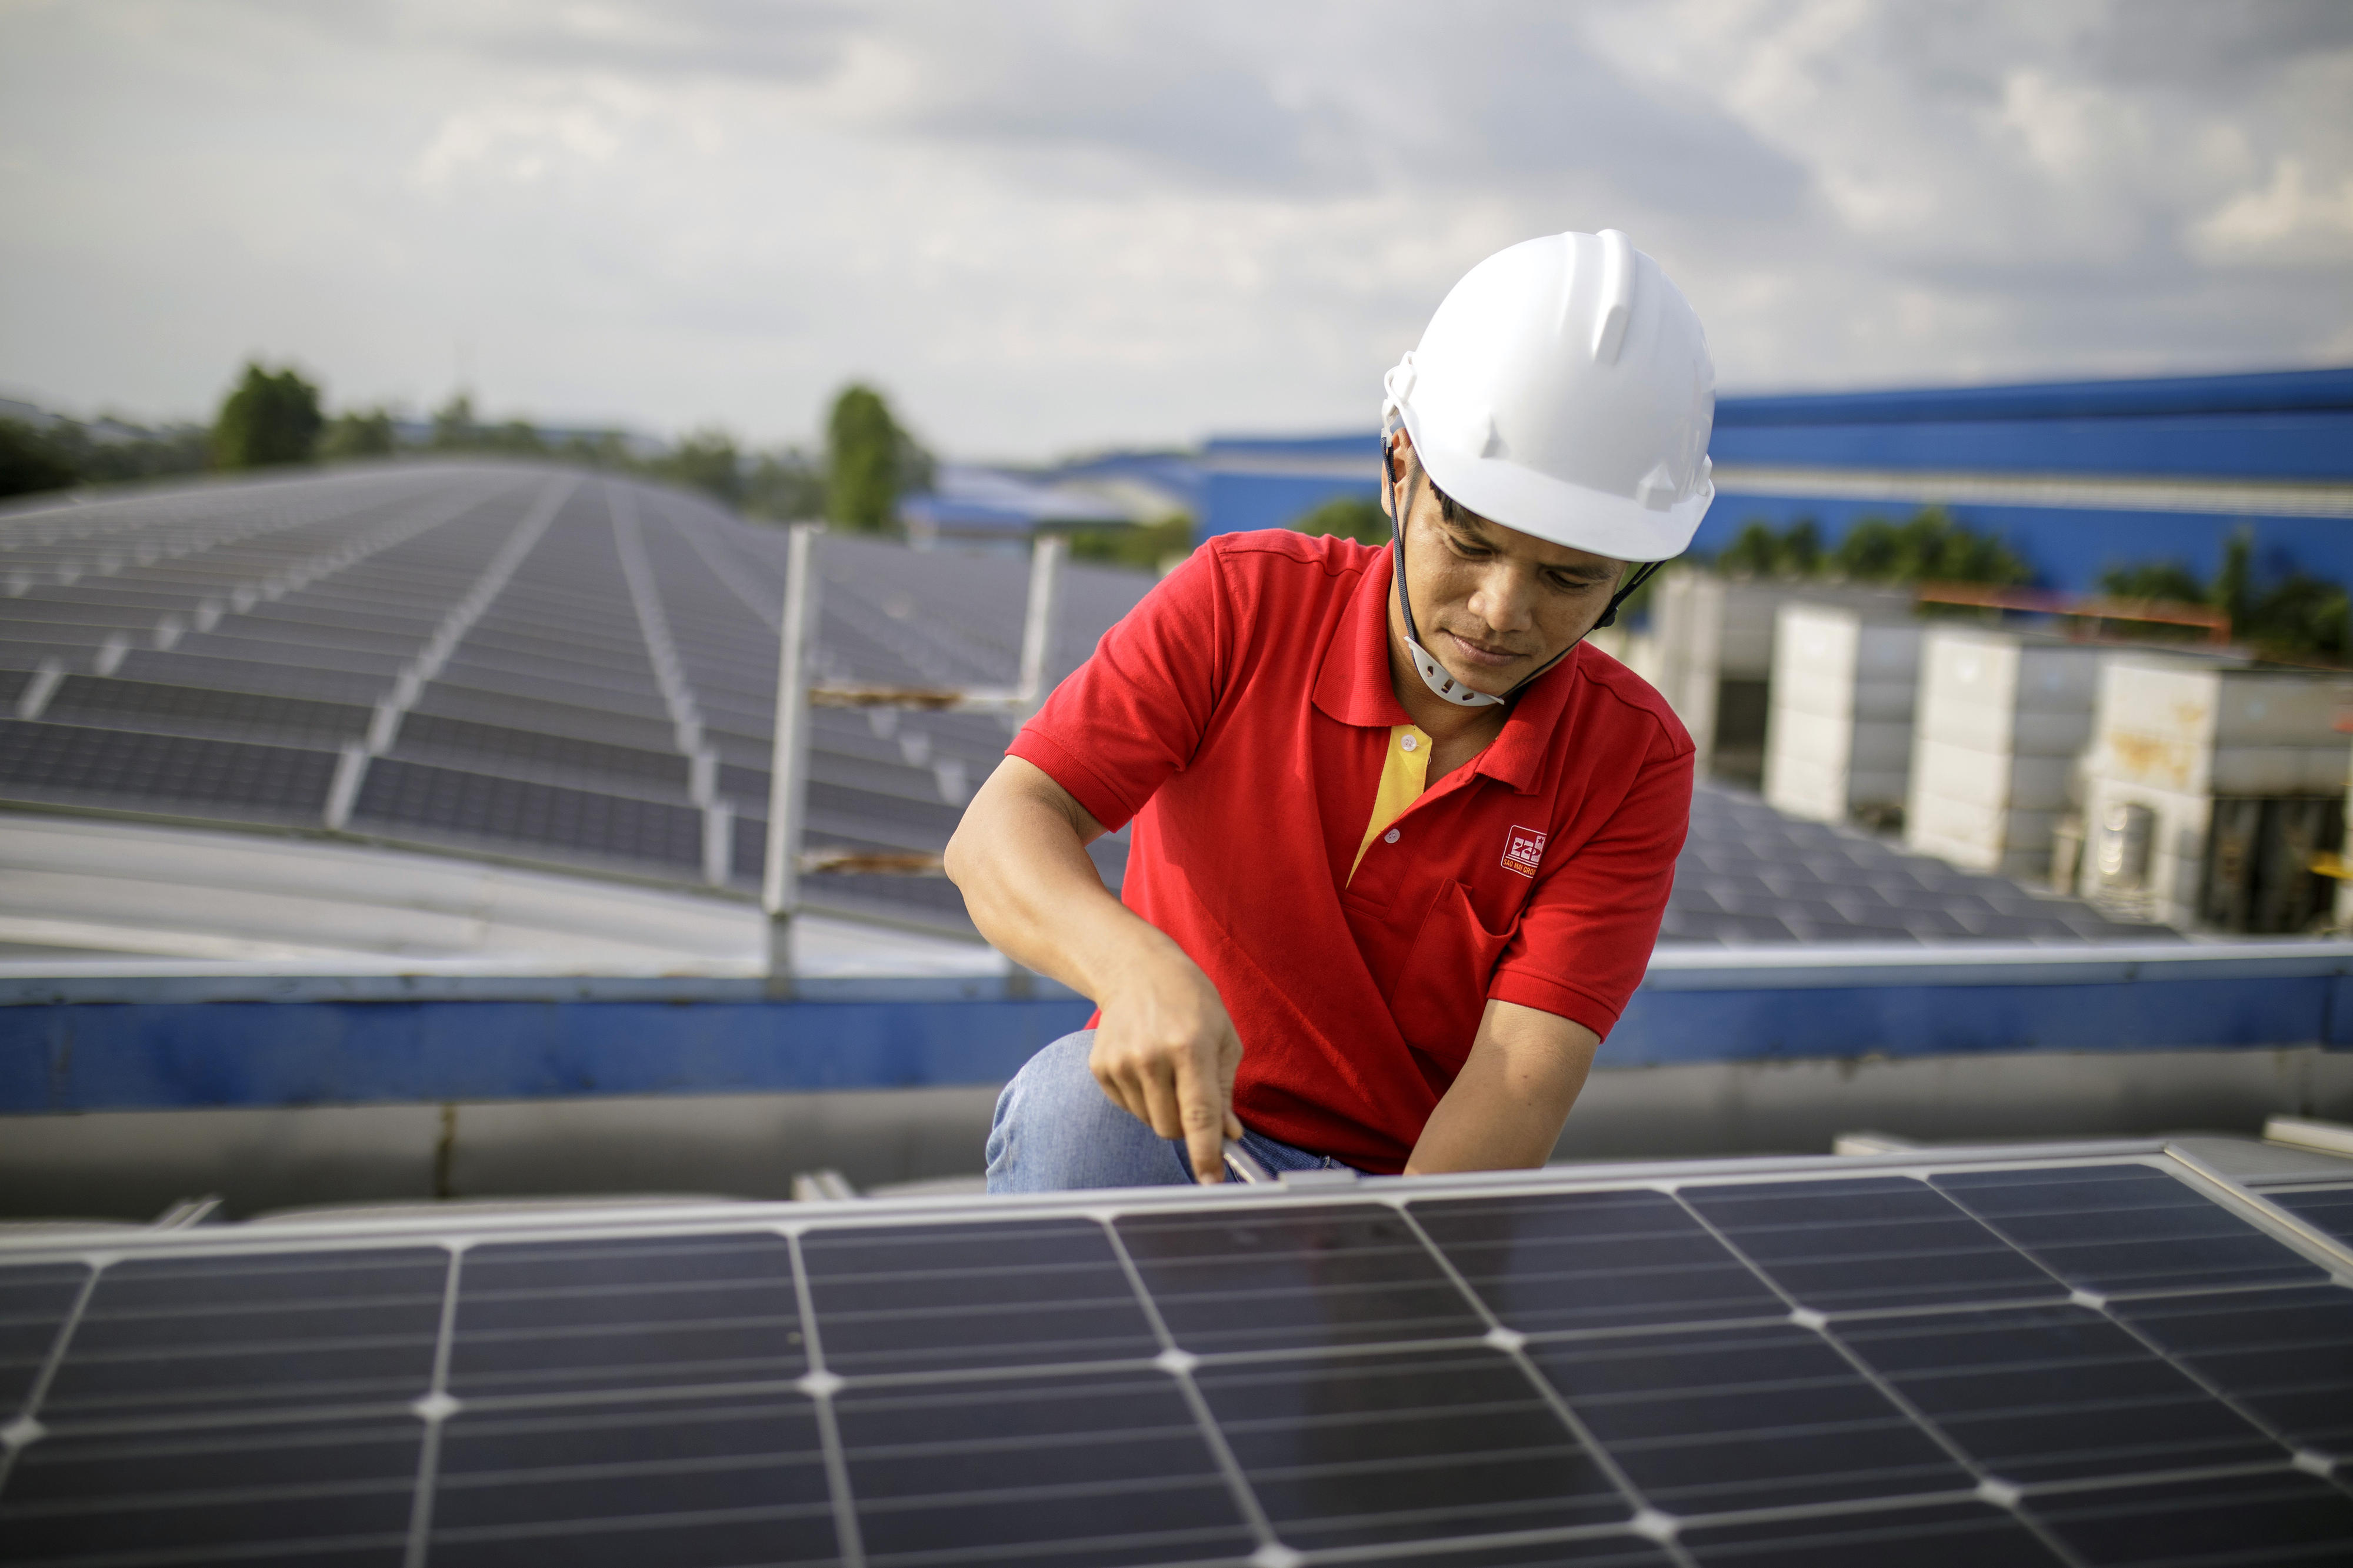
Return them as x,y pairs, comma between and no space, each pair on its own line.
1646,1367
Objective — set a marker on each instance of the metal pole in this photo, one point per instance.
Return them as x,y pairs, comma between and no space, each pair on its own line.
788,758
1046,555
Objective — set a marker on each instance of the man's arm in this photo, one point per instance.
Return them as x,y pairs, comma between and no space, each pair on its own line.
1507,1107
1164,1049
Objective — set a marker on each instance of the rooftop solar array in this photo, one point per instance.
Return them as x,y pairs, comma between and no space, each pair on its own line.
560,666
583,669
2086,1359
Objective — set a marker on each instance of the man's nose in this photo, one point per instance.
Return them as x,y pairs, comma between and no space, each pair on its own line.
1505,599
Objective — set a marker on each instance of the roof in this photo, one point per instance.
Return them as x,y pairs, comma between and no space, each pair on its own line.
215,648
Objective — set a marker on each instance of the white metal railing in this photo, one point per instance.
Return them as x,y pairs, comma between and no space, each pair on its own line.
797,693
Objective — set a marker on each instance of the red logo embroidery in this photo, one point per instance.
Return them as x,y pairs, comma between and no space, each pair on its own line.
1523,851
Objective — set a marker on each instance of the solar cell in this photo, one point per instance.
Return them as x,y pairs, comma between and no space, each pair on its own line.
1378,1446
2283,1355
571,1317
41,761
688,1483
2329,1209
1947,1535
927,1300
2115,1228
1094,1468
1723,1420
2272,1517
1314,1280
1867,1242
1593,1260
2054,1393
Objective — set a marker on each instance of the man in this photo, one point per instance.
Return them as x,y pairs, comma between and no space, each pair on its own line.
1402,842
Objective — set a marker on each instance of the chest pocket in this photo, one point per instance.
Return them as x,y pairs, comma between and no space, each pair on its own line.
1441,989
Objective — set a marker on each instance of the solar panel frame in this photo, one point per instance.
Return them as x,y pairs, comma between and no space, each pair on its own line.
1510,1500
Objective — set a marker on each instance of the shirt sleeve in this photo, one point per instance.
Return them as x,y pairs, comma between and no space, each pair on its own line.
1136,710
1585,934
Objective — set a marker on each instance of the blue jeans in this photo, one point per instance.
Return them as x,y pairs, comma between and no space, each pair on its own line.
1055,1130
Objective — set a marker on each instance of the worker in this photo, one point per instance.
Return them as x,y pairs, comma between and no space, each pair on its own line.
1402,838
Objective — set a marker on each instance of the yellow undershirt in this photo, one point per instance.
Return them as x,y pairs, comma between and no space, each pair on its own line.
1404,769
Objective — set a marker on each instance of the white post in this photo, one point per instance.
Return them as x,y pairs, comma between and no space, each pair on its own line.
1037,621
788,758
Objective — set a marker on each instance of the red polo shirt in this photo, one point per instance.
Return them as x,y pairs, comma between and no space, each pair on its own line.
1240,716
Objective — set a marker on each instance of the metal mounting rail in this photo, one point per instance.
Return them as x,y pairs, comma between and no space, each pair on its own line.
797,693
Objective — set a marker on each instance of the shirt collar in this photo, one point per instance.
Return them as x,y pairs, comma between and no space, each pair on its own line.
1352,685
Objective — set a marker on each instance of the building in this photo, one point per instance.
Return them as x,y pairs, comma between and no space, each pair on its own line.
2078,477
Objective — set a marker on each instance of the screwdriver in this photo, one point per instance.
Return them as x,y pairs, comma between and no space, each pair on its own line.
1245,1166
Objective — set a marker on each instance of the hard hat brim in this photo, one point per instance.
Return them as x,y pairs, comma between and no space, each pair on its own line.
1557,512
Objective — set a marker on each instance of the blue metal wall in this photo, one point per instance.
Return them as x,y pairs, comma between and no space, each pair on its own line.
162,1045
2282,427
2067,547
2295,425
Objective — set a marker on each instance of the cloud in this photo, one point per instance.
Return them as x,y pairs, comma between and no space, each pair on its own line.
1047,224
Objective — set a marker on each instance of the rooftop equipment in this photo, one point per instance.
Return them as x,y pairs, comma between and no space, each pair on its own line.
2210,791
1709,651
2002,718
1838,732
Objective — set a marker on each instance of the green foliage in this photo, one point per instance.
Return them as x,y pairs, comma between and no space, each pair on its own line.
1359,518
2170,581
784,486
706,460
454,429
358,433
869,462
1143,546
30,461
1930,548
1758,552
267,419
2298,616
66,452
2234,585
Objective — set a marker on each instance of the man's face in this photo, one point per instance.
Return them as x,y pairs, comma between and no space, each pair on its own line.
1493,604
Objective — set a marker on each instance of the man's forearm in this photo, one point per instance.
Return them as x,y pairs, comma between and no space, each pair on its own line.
1506,1109
1021,860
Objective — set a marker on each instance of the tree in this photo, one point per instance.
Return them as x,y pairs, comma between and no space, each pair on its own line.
707,461
2166,581
453,424
1359,518
870,462
359,433
267,419
786,485
30,461
1758,552
1141,546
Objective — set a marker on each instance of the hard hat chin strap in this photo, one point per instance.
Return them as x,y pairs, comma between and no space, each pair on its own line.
1434,674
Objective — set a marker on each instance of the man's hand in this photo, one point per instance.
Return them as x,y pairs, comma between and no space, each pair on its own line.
1165,1049
1165,1052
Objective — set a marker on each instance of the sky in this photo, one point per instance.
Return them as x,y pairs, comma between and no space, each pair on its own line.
1044,228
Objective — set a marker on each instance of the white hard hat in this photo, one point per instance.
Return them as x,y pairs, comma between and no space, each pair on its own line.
1564,389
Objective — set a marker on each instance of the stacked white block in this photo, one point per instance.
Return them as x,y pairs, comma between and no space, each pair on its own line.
2002,718
2171,735
1709,651
1838,734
